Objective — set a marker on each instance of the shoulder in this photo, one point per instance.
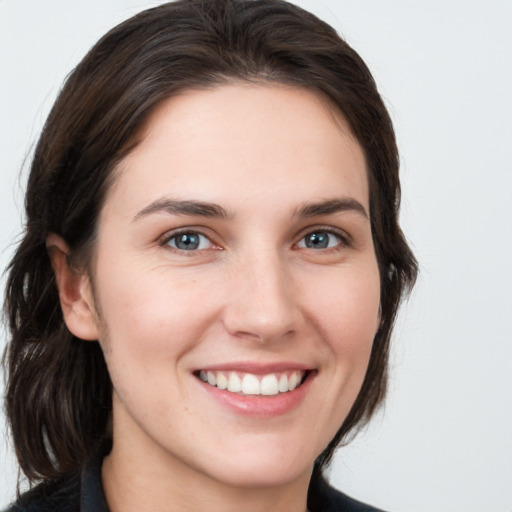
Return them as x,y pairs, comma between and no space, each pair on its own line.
61,496
324,498
78,492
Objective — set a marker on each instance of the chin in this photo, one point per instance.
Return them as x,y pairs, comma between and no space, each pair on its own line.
264,476
264,468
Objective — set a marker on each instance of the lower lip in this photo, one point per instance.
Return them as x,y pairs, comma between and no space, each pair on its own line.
260,405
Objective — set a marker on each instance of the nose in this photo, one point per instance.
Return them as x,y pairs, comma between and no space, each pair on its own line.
262,304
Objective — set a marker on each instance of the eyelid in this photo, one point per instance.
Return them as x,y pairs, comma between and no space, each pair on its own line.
345,238
169,235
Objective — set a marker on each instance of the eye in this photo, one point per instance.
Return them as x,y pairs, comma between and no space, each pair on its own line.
189,241
321,240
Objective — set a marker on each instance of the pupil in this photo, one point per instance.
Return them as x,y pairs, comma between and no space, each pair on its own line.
187,242
317,240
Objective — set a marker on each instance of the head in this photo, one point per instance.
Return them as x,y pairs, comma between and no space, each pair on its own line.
59,395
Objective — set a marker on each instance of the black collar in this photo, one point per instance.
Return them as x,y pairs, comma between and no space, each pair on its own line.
92,497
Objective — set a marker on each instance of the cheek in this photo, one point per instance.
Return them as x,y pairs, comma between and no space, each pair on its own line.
347,309
150,315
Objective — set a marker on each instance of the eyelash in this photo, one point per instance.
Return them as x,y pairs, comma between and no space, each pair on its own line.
344,239
174,236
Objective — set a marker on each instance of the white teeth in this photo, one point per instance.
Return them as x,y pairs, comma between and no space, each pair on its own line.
234,383
269,385
212,380
249,384
283,383
222,381
292,382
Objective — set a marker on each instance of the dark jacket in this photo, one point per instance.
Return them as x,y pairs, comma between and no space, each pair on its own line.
84,493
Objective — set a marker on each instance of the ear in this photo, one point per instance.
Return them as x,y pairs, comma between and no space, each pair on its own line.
75,294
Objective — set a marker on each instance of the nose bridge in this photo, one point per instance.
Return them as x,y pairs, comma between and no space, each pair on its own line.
262,304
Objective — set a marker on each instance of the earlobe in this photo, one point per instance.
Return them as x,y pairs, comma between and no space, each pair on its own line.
75,292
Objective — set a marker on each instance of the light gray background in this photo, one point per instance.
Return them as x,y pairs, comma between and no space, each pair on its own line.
443,442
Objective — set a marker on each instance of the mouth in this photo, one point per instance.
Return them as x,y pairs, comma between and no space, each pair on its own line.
242,383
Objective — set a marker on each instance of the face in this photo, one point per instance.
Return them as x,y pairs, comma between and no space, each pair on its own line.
237,285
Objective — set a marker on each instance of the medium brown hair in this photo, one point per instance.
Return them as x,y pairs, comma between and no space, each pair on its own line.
58,398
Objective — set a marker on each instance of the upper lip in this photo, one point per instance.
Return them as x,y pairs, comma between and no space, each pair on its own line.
257,368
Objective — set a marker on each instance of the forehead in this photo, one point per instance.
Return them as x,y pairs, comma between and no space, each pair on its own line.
231,141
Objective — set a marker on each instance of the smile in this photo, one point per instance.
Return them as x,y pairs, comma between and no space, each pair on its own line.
250,384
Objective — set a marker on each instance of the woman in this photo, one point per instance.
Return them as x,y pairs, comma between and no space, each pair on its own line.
202,303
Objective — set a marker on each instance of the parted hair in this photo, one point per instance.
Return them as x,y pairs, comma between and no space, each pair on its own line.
58,390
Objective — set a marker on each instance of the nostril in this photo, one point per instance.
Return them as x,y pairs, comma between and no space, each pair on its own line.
252,323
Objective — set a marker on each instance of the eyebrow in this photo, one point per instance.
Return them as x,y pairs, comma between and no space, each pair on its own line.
177,207
212,210
331,206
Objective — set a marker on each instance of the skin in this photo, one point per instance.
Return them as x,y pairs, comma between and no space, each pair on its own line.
253,292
